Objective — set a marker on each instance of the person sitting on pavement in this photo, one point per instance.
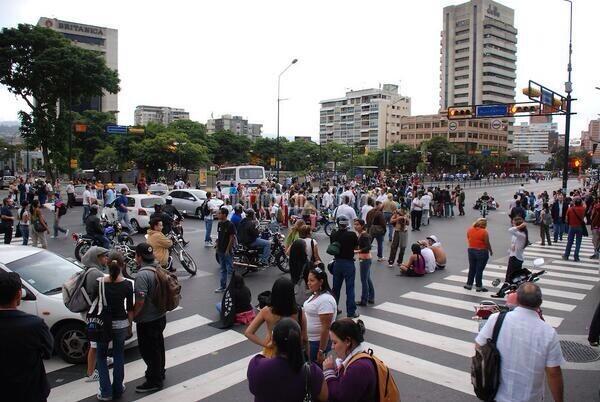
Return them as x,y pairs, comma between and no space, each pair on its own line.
438,252
415,266
159,242
249,236
94,229
428,255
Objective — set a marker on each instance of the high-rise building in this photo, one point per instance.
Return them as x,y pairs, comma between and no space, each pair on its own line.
158,114
591,136
478,54
365,116
539,135
235,124
99,39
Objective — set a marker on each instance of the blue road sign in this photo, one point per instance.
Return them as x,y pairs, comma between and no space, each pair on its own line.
547,97
116,129
486,152
498,110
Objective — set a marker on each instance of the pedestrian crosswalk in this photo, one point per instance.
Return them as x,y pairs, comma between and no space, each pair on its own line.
426,334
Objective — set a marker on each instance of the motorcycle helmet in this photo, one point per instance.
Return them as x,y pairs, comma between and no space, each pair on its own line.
169,199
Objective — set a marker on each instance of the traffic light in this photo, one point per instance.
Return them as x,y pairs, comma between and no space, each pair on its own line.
532,92
455,113
521,108
576,163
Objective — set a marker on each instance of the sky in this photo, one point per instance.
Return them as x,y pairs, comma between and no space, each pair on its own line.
224,57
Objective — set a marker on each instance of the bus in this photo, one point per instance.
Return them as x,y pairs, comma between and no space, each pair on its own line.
248,175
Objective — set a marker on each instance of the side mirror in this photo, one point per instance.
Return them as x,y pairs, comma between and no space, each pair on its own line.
184,212
538,262
27,295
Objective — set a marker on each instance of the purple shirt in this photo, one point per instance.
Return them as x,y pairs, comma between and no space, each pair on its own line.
357,384
273,380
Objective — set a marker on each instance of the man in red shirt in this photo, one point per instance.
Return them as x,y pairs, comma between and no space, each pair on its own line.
576,224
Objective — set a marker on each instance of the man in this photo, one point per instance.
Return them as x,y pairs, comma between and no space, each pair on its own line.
159,242
428,256
87,195
7,218
576,223
595,226
60,209
426,201
250,237
461,201
343,264
438,252
121,206
364,211
94,229
150,320
416,211
529,349
236,216
559,216
24,341
208,214
22,191
111,196
518,210
327,200
172,211
400,240
226,232
345,210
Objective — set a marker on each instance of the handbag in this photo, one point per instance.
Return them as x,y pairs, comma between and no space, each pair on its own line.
334,249
307,390
376,230
584,231
18,230
38,227
99,318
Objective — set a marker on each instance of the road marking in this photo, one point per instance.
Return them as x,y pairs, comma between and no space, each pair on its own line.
409,334
560,248
545,291
204,385
430,316
548,272
545,281
79,389
549,267
553,253
579,264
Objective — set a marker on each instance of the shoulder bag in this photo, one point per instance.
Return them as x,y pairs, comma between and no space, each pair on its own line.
584,231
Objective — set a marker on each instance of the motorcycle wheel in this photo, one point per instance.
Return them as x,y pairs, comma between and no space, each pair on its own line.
81,249
187,262
126,240
130,271
328,228
281,261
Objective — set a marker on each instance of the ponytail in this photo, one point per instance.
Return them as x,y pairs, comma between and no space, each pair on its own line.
288,342
115,264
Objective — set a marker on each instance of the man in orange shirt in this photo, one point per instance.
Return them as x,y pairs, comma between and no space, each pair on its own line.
576,224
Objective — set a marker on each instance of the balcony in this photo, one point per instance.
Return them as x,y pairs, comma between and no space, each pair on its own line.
499,71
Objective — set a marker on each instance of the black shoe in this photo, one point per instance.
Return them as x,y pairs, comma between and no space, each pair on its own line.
371,301
185,243
361,303
468,287
355,315
339,312
496,295
481,289
147,387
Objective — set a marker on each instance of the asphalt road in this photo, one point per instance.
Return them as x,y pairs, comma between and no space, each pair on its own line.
421,327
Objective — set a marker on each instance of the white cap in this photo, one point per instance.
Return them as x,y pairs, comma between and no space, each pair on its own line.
433,237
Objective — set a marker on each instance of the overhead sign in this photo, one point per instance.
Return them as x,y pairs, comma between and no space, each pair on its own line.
499,110
496,124
114,129
547,97
452,126
137,130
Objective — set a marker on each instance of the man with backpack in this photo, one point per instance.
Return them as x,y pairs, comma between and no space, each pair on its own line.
121,206
60,209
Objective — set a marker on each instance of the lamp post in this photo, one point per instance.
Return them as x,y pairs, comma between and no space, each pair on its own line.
568,90
278,102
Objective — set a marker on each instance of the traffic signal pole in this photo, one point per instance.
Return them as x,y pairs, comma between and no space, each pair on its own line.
568,90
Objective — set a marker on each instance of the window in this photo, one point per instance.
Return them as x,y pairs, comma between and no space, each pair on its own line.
459,59
84,39
462,50
461,68
151,202
458,42
462,77
461,95
461,86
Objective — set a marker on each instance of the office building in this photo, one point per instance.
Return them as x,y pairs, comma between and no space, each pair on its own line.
158,114
539,135
305,138
363,117
591,136
478,54
99,39
235,124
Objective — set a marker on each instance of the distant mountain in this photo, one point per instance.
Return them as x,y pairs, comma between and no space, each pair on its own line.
9,123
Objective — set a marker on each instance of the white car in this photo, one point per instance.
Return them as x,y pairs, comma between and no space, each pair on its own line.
140,207
158,189
191,200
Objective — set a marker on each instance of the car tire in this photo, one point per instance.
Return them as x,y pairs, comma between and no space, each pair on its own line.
135,226
71,343
198,213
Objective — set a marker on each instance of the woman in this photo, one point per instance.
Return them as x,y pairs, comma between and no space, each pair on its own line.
24,216
479,251
119,299
415,266
299,265
239,294
39,225
292,235
518,242
284,378
545,222
364,259
312,251
376,224
283,304
320,309
352,379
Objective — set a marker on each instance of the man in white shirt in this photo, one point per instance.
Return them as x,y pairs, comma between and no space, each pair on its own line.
347,193
346,210
416,213
87,199
70,195
366,208
428,256
529,349
327,200
426,201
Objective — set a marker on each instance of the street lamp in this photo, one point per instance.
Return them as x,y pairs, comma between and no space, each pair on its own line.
278,102
568,90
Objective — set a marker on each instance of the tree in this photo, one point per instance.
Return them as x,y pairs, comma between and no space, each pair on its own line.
107,159
229,148
266,148
335,152
87,145
438,154
195,131
299,155
39,63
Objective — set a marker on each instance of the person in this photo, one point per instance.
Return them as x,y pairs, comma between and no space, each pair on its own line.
353,379
518,242
415,266
576,224
241,299
311,245
320,309
284,377
426,201
170,210
388,209
595,226
60,209
428,255
293,235
226,235
364,211
122,212
25,341
159,242
518,210
282,304
400,240
345,209
150,320
249,236
416,212
7,219
70,195
93,227
461,202
559,216
377,226
299,266
119,299
209,215
479,251
86,202
438,252
529,348
363,252
545,222
38,222
343,264
24,218
594,332
111,196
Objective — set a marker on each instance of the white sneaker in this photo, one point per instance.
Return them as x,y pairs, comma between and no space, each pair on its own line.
67,233
93,378
109,361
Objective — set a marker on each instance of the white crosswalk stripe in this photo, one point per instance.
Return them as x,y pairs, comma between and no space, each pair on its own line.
565,284
429,316
564,268
548,273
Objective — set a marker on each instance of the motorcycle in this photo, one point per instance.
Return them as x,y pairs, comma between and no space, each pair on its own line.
113,231
324,220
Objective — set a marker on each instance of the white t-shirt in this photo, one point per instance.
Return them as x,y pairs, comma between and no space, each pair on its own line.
429,257
426,200
364,211
309,250
86,197
345,210
517,243
416,205
313,307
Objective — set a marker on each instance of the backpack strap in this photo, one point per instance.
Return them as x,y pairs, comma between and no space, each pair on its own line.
497,326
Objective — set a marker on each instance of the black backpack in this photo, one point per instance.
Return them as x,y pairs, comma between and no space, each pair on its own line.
204,209
485,366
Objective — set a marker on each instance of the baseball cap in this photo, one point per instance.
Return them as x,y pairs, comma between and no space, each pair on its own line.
145,251
343,221
433,238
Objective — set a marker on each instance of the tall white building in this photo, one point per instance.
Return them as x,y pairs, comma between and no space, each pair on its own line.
99,39
364,116
478,55
159,114
235,124
539,135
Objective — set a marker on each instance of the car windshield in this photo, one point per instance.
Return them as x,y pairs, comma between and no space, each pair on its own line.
251,173
151,202
45,271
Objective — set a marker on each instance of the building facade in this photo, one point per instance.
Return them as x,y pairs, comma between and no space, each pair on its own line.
165,115
235,124
474,135
591,136
478,54
364,116
99,39
539,135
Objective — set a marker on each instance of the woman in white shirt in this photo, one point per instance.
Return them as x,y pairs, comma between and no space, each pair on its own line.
312,249
23,215
320,310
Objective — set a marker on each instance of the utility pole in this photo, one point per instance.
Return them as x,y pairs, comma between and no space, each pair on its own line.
568,90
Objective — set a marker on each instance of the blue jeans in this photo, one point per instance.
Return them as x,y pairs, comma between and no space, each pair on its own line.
451,209
123,218
390,227
558,229
265,247
314,349
368,291
446,209
225,268
86,213
344,270
577,235
477,261
379,245
208,224
115,389
25,234
57,227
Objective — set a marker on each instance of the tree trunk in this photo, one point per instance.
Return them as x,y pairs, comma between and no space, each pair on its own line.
47,165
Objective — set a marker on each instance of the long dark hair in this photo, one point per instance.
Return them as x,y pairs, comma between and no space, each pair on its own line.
346,328
298,259
320,274
283,301
115,264
287,338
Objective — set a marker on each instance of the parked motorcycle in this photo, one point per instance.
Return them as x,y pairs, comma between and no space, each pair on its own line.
324,221
113,231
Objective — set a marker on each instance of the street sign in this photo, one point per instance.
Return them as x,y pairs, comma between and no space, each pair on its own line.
491,110
79,128
73,164
486,152
114,129
547,96
452,126
496,124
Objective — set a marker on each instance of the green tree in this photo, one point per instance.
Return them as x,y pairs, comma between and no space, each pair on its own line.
87,145
229,148
299,155
439,151
107,159
266,148
39,63
335,152
195,131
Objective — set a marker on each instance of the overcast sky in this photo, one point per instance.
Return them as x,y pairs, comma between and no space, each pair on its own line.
224,56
